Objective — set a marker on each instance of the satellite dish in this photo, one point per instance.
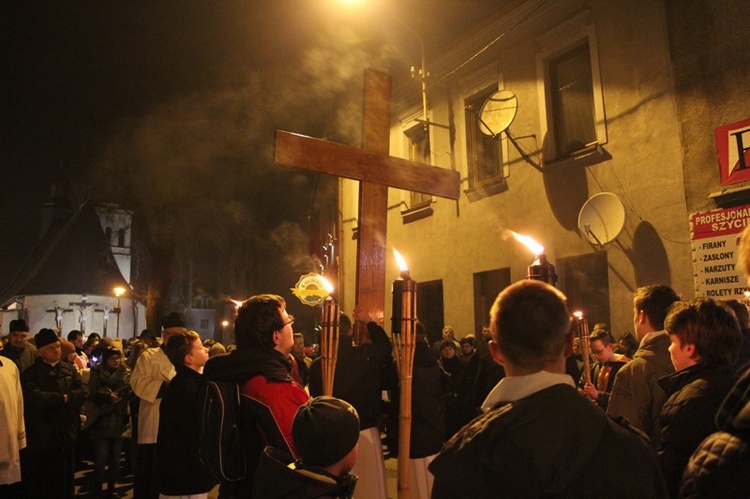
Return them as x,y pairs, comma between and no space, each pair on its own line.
498,112
601,218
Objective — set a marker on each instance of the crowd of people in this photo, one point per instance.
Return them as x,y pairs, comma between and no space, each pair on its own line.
508,413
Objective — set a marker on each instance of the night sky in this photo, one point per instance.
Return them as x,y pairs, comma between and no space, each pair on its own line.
185,96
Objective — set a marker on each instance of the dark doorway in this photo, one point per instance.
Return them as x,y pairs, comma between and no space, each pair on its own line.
585,281
430,308
487,285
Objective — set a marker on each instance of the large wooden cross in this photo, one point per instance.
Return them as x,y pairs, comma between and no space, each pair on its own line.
376,171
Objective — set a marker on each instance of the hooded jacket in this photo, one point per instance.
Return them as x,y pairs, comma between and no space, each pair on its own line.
549,444
279,476
270,399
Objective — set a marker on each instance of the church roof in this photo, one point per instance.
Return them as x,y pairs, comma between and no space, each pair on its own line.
73,257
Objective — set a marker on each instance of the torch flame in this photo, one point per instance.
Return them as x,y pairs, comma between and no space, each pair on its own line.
400,261
578,315
237,303
327,284
527,241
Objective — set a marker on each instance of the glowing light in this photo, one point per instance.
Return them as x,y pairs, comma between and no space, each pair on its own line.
327,284
400,261
119,291
224,323
529,242
578,315
237,303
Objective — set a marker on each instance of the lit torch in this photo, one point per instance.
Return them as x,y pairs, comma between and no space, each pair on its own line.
540,269
329,339
404,340
583,339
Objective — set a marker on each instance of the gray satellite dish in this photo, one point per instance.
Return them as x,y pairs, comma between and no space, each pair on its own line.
601,218
498,112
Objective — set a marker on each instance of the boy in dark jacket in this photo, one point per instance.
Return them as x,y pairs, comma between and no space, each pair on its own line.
325,431
705,340
181,472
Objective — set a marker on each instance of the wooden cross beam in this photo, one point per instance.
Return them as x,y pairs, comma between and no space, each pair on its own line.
377,171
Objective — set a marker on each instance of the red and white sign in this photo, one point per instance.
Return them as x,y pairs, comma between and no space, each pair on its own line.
733,148
715,237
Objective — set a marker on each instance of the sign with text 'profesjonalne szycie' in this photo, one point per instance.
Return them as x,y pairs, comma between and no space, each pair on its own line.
715,236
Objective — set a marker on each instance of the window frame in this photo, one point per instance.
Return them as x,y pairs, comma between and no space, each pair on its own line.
557,42
476,84
421,208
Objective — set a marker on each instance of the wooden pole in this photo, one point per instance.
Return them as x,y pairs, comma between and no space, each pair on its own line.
329,343
404,343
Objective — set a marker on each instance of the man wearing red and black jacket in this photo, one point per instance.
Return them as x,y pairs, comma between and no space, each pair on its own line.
261,365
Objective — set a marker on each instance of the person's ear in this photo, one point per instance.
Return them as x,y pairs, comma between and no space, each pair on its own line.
642,317
689,350
497,355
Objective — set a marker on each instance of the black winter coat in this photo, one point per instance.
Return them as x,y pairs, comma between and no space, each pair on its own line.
180,469
427,404
52,423
549,444
358,375
720,466
112,423
687,417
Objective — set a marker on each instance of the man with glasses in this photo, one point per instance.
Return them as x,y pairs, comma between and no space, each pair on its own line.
608,363
261,366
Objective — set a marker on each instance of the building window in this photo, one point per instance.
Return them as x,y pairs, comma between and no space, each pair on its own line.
571,108
198,302
418,140
417,148
485,156
572,101
108,235
121,238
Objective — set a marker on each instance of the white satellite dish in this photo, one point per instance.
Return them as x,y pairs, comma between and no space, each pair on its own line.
498,112
601,218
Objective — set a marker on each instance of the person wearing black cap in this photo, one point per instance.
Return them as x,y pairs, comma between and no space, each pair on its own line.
151,376
18,349
53,394
325,431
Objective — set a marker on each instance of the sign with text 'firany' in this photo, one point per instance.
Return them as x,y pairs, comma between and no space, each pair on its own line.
715,237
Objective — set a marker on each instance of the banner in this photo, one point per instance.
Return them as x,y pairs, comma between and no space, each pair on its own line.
715,238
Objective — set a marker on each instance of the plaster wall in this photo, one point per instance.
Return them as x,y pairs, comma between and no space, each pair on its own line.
645,170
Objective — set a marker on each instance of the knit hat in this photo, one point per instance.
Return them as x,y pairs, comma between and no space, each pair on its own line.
175,319
324,431
18,325
45,337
